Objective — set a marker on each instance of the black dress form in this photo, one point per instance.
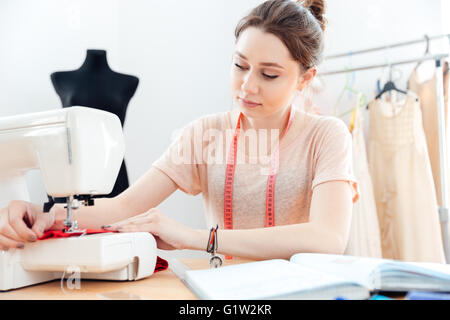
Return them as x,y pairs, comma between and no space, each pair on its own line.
95,85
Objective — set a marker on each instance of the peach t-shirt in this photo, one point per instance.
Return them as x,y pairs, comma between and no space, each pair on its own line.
316,149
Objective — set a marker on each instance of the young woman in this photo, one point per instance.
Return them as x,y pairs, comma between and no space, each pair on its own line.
299,200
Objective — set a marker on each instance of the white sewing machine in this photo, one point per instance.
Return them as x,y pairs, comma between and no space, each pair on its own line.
79,152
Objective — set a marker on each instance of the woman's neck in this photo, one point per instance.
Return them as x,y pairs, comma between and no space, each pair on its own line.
277,121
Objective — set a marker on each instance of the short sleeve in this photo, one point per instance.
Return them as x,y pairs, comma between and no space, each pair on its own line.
179,161
333,157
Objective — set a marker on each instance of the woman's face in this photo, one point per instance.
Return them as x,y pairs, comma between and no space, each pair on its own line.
264,76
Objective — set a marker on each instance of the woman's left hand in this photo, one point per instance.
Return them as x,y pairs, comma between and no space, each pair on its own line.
169,234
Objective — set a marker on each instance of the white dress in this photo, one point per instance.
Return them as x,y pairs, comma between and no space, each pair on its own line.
364,238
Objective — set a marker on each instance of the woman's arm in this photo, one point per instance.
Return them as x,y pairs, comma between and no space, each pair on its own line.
147,192
326,232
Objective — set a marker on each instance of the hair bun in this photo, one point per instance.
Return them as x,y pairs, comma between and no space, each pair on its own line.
317,8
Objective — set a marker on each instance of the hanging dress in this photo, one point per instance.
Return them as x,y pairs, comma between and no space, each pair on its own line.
403,182
426,91
364,238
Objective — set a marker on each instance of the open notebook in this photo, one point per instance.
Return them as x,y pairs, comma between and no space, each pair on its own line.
316,276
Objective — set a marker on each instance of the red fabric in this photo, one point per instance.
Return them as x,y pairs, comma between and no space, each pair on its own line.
161,264
63,234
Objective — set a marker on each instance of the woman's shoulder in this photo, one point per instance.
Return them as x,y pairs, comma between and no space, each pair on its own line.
324,125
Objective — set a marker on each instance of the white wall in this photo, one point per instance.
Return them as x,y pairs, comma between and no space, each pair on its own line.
181,51
445,12
372,24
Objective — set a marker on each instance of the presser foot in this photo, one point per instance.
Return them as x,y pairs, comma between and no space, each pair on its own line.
80,232
71,226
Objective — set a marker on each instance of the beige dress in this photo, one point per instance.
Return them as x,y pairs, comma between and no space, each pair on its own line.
428,101
403,182
365,231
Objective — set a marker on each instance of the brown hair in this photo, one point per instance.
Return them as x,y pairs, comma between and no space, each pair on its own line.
299,24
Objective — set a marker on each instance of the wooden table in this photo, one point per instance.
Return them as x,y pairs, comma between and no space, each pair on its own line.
163,285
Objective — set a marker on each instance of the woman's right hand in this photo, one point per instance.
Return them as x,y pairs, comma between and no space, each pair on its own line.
23,222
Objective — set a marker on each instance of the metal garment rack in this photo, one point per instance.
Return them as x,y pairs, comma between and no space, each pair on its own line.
443,211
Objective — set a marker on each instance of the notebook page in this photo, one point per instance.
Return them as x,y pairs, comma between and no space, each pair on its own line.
359,269
421,268
257,280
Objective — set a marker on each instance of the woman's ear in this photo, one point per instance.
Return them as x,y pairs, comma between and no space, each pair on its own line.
306,78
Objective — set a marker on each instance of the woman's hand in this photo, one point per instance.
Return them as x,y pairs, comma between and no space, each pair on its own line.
169,234
23,222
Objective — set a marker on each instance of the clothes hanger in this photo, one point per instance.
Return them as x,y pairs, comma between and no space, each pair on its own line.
361,102
348,87
389,86
425,70
427,51
446,62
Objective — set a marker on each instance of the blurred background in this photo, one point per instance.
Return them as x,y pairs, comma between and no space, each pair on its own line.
181,52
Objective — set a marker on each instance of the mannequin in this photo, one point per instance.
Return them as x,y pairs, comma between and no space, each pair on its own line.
95,85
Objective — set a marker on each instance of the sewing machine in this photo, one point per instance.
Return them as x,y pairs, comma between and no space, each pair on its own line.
79,152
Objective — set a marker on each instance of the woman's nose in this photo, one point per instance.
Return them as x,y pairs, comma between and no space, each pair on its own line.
250,84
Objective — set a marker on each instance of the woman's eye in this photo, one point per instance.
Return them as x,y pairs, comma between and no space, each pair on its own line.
269,76
264,75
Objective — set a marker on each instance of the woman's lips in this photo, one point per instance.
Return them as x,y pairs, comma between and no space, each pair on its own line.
249,104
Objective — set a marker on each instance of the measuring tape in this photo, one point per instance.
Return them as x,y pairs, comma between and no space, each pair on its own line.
229,178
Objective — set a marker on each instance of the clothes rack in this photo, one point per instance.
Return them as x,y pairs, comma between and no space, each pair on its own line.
426,38
436,57
443,211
